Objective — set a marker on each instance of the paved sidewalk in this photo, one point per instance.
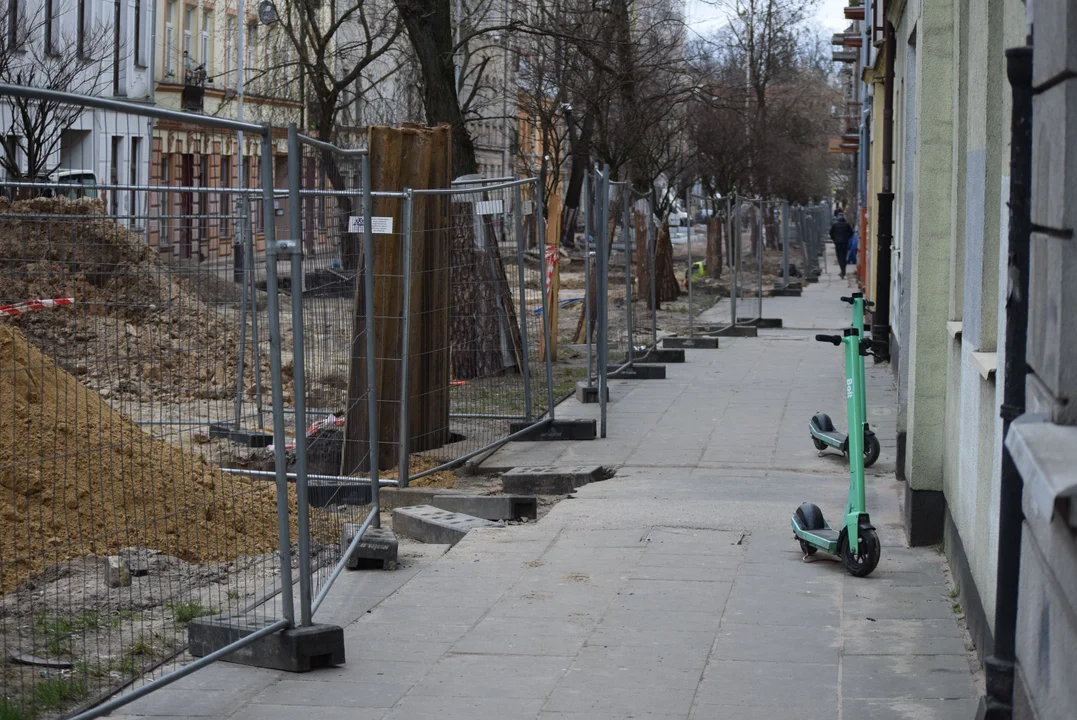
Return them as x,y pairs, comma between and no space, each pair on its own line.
673,590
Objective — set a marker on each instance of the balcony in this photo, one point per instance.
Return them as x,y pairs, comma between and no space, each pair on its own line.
854,12
194,87
845,56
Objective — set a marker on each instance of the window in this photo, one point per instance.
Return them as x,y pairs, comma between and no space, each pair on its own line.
15,10
188,28
170,39
206,49
133,166
114,172
52,27
252,37
117,41
226,198
140,47
229,48
83,28
165,200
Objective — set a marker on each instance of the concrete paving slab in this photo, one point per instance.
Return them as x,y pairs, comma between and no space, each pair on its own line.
774,684
288,712
673,596
493,676
906,709
902,637
907,676
562,637
429,524
419,707
310,692
602,701
777,643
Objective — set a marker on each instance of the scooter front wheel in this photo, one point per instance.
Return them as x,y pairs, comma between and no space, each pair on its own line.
869,550
871,450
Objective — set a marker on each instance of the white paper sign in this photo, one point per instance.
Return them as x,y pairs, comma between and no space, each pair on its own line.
528,207
489,207
378,225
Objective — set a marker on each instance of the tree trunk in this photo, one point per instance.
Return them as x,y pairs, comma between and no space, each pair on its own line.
643,260
666,287
483,313
714,247
429,25
415,159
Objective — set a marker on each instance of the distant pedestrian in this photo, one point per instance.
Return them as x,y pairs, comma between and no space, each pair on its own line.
841,232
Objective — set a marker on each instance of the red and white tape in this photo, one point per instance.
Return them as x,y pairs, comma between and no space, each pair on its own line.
26,306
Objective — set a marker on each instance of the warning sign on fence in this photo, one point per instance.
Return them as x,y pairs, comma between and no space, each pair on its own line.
378,225
489,207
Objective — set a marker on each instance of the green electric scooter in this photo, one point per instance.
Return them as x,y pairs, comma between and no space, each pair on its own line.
855,540
823,432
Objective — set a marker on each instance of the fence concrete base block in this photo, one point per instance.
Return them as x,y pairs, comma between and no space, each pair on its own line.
551,480
658,355
588,393
786,292
432,525
298,649
323,493
390,498
695,343
760,322
489,507
558,430
377,550
812,278
638,371
248,438
737,331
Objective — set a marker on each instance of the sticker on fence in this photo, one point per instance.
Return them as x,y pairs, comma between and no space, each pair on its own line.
378,225
489,207
29,305
527,207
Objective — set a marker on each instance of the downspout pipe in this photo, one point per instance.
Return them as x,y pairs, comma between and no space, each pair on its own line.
999,667
880,319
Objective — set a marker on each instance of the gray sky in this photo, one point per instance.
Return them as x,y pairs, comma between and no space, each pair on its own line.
706,15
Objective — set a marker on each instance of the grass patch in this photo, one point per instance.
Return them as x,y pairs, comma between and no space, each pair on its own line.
941,548
954,593
55,693
565,379
185,612
57,631
956,607
11,711
233,595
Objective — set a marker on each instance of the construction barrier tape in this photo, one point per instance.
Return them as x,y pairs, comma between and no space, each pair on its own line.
30,305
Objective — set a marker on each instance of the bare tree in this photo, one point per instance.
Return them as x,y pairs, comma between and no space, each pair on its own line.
56,62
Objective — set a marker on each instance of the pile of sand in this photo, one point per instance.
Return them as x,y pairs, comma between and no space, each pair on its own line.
136,329
79,478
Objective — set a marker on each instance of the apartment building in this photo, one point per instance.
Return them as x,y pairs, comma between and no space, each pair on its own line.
89,47
934,178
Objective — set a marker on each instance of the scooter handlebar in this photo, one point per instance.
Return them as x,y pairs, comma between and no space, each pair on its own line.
835,339
845,299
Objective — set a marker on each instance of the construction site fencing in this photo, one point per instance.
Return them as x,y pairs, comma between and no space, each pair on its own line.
618,298
812,228
643,320
140,336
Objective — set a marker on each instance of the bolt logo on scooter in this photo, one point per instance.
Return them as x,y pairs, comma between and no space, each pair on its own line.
855,540
823,432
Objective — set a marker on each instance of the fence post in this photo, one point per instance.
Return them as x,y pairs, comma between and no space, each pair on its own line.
248,262
371,349
734,255
628,271
652,244
403,466
525,362
540,227
243,308
273,307
295,248
603,293
587,217
762,242
785,243
688,244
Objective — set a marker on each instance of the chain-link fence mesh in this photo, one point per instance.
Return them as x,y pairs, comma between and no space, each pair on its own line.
644,321
127,358
618,299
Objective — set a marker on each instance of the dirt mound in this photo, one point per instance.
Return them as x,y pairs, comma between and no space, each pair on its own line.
138,327
79,478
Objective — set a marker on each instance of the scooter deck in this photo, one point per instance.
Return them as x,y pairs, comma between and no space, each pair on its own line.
832,438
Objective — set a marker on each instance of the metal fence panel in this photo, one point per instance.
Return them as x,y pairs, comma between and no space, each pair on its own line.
127,344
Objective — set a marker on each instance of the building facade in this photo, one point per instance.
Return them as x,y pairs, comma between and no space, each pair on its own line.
935,141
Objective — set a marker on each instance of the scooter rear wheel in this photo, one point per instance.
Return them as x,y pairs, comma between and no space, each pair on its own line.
871,450
807,549
819,444
869,550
